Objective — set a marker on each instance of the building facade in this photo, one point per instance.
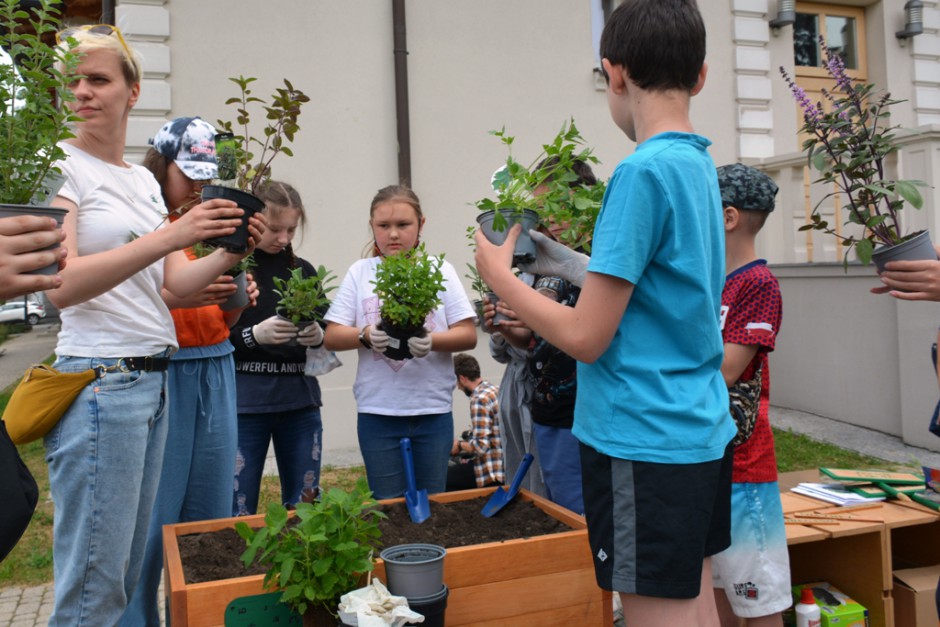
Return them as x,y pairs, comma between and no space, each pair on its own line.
528,66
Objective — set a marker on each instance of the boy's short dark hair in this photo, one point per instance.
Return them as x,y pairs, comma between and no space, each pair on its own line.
467,366
661,43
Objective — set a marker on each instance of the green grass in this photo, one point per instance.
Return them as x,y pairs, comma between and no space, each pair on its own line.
798,452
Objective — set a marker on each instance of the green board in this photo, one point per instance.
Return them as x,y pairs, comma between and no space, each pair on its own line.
869,476
260,610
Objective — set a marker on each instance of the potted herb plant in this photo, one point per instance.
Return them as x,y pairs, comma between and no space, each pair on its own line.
33,119
242,172
304,299
546,189
408,285
321,557
849,141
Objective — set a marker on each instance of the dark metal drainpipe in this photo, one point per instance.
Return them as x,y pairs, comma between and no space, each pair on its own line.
107,11
400,45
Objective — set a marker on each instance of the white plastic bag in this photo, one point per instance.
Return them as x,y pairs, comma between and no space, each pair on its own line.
375,606
320,361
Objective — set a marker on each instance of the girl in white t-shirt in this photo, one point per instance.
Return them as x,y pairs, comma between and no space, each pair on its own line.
409,398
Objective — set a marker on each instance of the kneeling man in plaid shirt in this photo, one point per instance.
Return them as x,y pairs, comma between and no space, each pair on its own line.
482,445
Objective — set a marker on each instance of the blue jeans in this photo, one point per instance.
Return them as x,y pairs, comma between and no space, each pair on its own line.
560,456
104,460
297,436
380,436
195,482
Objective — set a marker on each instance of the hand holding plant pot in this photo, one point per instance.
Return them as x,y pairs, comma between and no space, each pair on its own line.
849,145
236,295
33,120
27,245
408,285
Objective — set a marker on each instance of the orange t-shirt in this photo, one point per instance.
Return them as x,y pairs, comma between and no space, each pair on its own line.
199,326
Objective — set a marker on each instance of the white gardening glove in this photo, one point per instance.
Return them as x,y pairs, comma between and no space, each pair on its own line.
274,330
420,346
378,338
311,336
555,259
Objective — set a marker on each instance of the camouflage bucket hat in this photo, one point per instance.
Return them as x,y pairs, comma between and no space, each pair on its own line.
746,188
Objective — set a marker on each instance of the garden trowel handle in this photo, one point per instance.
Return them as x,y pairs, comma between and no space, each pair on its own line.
520,473
408,464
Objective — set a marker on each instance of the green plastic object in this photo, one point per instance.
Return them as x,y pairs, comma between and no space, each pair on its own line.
260,610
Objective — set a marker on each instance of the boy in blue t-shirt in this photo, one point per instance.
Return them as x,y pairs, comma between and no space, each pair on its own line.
652,405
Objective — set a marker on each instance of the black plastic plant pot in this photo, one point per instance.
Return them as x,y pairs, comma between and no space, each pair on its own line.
918,248
9,211
398,339
524,251
237,242
301,325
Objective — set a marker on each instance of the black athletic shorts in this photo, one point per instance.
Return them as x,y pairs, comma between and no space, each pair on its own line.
651,525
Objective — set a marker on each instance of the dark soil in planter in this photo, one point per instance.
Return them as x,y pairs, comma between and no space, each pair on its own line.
215,555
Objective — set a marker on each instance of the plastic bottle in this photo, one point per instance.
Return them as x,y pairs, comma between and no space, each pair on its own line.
807,612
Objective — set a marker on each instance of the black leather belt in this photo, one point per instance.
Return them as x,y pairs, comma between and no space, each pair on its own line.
147,364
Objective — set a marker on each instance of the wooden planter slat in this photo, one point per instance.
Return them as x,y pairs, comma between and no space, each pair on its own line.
547,579
471,605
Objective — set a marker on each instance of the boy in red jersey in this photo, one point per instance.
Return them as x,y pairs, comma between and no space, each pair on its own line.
755,570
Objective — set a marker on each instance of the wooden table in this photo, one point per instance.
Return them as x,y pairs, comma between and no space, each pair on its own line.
858,550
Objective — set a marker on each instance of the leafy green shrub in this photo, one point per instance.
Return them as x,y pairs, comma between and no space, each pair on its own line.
408,286
33,116
281,113
304,298
323,556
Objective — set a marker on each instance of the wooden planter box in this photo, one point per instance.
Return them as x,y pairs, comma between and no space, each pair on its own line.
545,580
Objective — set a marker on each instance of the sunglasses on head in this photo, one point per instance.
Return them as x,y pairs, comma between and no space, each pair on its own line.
97,29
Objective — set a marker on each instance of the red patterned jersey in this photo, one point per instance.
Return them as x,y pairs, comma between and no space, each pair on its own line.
751,312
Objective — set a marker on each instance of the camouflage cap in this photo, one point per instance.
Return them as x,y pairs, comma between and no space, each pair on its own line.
746,188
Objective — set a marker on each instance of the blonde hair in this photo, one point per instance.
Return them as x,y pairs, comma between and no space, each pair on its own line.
88,41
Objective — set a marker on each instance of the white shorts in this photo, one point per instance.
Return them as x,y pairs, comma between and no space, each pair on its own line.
755,570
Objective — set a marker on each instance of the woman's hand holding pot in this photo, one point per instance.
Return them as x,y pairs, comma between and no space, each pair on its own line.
207,220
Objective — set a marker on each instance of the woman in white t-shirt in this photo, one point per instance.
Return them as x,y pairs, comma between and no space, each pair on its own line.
106,452
399,398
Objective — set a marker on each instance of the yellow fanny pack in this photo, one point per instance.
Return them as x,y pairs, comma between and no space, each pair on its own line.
41,399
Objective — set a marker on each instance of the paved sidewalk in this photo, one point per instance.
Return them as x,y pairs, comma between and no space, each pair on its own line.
31,607
21,351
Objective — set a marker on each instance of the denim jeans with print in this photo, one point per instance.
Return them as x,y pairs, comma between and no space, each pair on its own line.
195,483
432,437
297,436
104,460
